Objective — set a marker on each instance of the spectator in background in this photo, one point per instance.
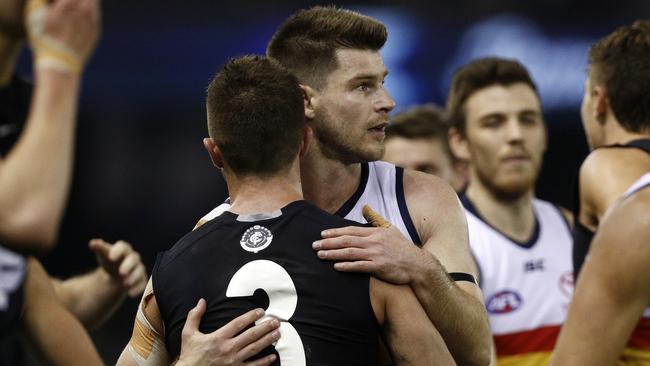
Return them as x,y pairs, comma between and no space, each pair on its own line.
520,243
609,318
418,139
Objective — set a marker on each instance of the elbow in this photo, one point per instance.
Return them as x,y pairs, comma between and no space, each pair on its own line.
33,234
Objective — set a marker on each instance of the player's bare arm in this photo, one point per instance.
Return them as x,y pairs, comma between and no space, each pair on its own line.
455,308
58,335
406,329
94,297
32,207
223,347
613,290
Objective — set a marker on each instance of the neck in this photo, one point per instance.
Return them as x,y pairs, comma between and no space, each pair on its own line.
251,195
512,216
328,183
616,134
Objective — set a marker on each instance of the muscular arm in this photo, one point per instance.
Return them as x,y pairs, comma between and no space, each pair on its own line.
455,308
408,333
55,332
95,296
613,289
35,176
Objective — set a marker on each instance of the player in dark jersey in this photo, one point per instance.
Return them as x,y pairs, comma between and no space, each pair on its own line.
35,174
612,290
258,253
616,118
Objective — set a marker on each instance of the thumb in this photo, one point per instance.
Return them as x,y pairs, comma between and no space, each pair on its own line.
374,218
99,247
194,318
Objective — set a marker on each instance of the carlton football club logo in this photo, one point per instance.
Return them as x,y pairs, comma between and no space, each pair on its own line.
256,238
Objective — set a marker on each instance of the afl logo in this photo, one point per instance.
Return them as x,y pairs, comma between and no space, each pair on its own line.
256,238
503,302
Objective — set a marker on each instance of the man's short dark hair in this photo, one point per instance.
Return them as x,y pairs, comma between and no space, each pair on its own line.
621,62
478,74
306,42
256,115
421,122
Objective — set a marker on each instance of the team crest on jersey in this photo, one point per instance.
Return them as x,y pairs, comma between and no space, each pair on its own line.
256,238
503,302
567,284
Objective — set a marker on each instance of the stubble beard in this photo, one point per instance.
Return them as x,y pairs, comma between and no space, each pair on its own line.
335,145
510,190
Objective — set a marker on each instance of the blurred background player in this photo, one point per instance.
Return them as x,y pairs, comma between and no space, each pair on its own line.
35,173
263,242
417,139
521,243
613,289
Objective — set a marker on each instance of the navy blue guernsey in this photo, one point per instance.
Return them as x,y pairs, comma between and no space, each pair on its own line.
238,263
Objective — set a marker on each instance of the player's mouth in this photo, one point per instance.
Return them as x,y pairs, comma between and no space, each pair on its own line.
380,128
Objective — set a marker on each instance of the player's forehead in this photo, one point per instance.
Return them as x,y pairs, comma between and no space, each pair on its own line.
510,99
358,64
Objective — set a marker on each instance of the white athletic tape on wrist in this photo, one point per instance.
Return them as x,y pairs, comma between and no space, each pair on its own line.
147,346
49,52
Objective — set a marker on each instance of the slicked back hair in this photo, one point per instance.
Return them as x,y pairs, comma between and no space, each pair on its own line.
306,42
256,116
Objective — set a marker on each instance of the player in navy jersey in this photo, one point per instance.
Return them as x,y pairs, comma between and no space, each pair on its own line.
612,290
258,253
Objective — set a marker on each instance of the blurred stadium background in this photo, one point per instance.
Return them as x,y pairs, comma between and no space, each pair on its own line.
141,172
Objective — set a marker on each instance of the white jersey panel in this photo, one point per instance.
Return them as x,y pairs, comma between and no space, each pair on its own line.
525,286
383,192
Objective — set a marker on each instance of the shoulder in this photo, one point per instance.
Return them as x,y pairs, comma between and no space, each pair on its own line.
607,173
432,203
423,189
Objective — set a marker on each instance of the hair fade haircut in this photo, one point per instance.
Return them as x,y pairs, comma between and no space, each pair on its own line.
256,116
478,74
621,62
306,42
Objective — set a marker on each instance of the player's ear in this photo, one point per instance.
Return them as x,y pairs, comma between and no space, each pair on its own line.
601,103
307,136
308,94
214,152
458,144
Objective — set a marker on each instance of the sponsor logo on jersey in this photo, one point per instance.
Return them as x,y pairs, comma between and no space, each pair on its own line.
256,238
566,284
503,302
535,265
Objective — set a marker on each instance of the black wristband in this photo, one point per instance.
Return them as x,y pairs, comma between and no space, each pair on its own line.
462,276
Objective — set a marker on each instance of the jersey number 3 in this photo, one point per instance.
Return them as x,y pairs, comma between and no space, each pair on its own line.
283,298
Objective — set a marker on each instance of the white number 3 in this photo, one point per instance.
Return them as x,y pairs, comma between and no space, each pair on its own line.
278,285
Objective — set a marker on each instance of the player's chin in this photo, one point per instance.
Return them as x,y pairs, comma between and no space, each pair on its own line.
515,187
371,152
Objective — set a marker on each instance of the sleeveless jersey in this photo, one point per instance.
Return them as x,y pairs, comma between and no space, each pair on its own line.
238,263
527,286
637,351
582,235
382,188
